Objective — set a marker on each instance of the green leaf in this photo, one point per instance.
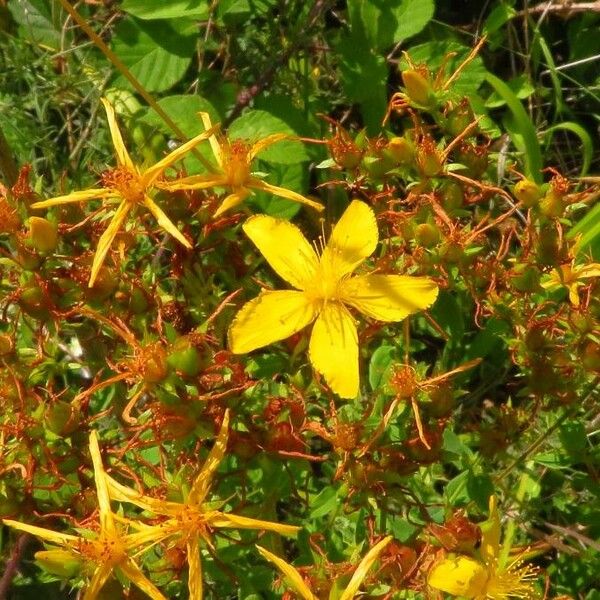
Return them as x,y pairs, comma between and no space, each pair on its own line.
183,109
41,22
254,125
386,23
521,87
158,53
324,503
587,145
381,361
291,177
589,229
522,130
364,76
159,9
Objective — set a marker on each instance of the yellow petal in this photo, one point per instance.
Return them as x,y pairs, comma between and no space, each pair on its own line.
229,521
574,294
214,143
363,568
130,569
193,182
258,184
270,317
353,239
461,576
75,197
388,297
267,141
165,222
123,157
587,271
106,519
293,578
203,481
490,534
122,493
46,534
231,201
285,248
195,568
106,239
156,170
333,349
101,574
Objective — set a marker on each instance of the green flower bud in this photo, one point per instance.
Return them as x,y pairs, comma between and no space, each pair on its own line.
43,234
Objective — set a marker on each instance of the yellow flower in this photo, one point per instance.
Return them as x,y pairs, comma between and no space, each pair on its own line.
324,291
234,159
570,276
106,551
191,521
296,582
131,185
485,579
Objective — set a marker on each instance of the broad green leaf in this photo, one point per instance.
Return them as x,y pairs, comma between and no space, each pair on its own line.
381,360
520,86
324,503
172,9
41,22
158,53
522,130
254,125
291,177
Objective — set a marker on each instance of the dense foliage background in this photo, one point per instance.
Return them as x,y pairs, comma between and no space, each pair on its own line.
492,391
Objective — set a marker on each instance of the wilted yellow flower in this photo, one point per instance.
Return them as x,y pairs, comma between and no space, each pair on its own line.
485,579
106,551
296,583
325,289
129,184
570,276
191,521
233,172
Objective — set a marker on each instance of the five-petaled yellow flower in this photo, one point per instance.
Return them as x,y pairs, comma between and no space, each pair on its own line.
325,289
297,583
103,552
233,172
131,185
485,579
570,276
192,521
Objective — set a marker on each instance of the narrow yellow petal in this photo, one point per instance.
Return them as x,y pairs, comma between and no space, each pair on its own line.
490,534
388,297
229,521
157,169
333,349
193,182
107,522
165,222
75,197
122,493
353,239
130,569
55,537
267,141
204,479
363,568
293,578
460,576
270,317
284,247
123,157
231,201
214,143
258,184
106,239
101,574
574,294
587,271
194,568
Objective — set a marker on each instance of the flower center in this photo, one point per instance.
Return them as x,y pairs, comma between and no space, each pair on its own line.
236,163
104,550
128,184
516,581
